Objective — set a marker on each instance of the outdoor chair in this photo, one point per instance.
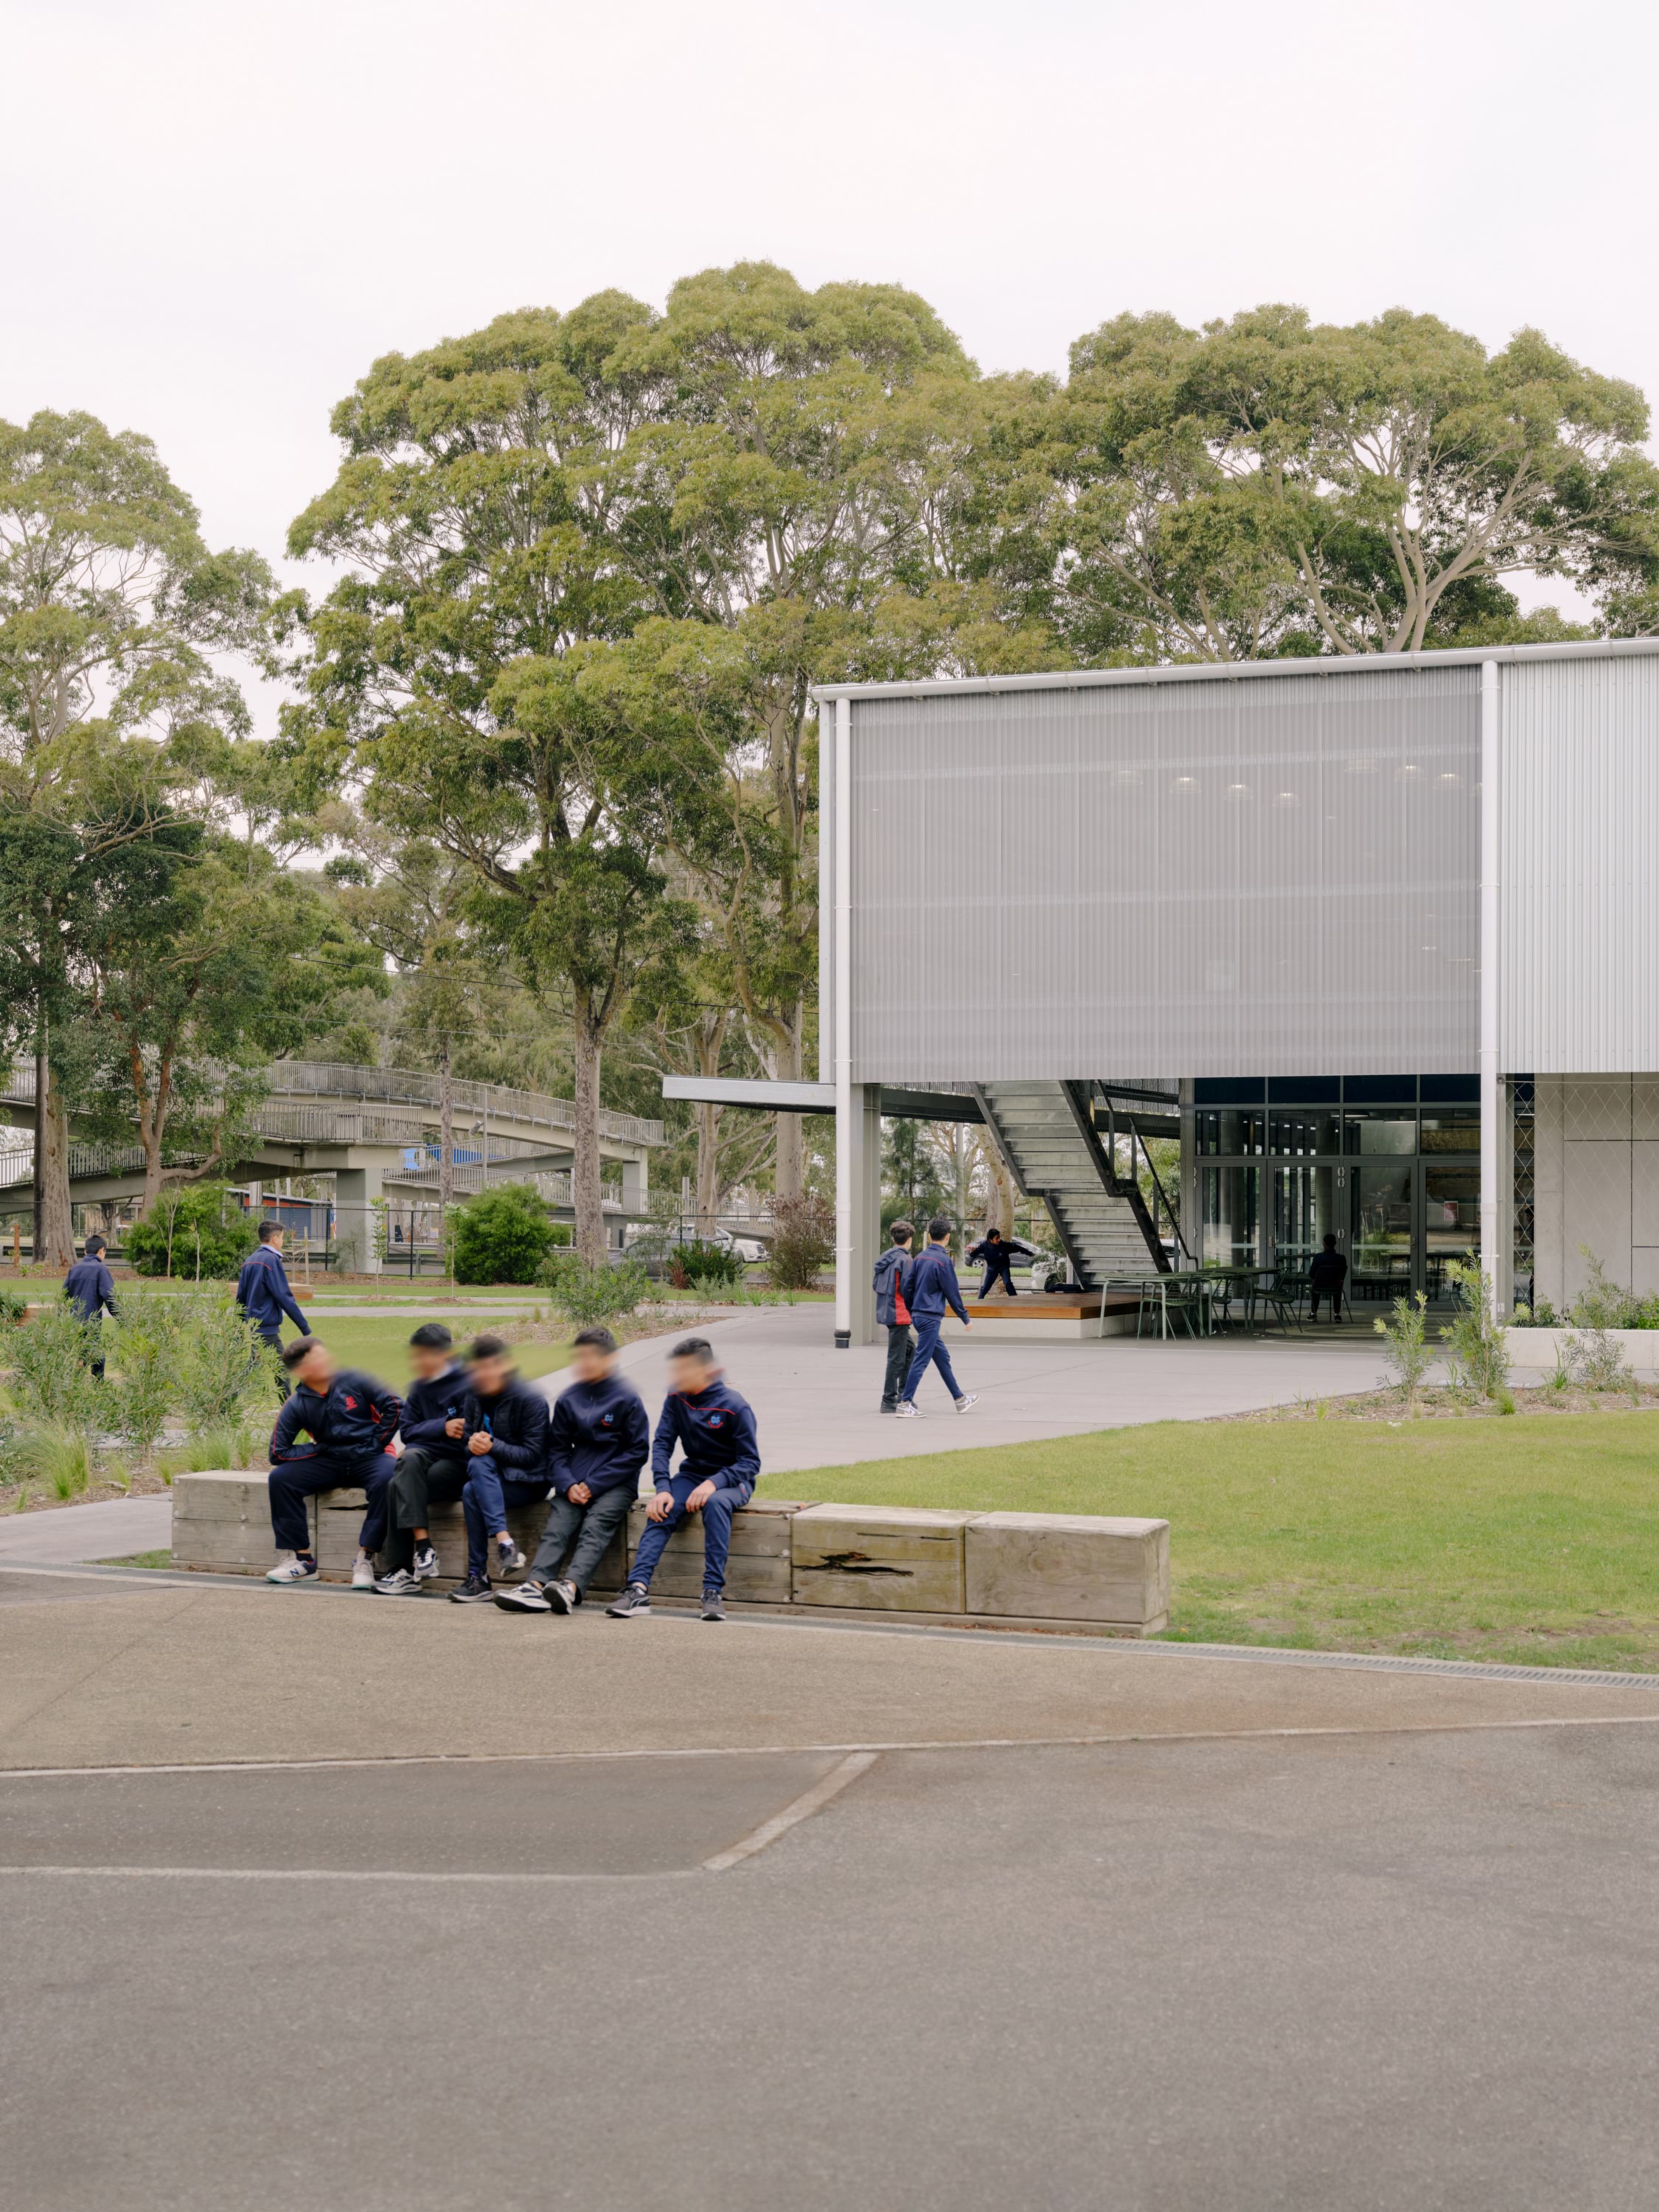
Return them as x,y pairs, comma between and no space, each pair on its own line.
1280,1294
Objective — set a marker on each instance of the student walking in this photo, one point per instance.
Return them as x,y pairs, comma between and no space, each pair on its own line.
891,1312
720,1467
931,1287
350,1419
598,1440
90,1289
262,1294
504,1422
433,1467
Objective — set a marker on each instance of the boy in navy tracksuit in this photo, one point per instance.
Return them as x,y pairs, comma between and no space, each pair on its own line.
90,1289
265,1298
432,1466
598,1440
931,1287
351,1420
715,1431
504,1423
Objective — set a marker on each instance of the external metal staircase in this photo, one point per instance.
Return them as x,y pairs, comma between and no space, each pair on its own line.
1046,1134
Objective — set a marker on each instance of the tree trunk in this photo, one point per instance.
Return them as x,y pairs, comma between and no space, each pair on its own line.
708,1164
585,1171
42,1084
57,1224
447,1144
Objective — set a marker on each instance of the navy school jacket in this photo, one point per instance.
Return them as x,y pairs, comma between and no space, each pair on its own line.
89,1287
931,1285
432,1402
715,1428
515,1421
262,1293
599,1434
355,1418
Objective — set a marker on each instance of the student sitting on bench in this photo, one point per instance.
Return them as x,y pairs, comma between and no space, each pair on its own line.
599,1439
351,1420
505,1425
434,1468
715,1430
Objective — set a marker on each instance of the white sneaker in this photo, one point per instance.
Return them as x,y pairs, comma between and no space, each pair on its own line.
363,1573
292,1569
966,1404
908,1412
426,1563
509,1558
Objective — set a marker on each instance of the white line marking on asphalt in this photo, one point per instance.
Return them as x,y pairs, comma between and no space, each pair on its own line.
800,1808
334,1873
1143,1735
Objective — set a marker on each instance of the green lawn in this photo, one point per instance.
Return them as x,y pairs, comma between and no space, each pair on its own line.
380,1346
1532,1540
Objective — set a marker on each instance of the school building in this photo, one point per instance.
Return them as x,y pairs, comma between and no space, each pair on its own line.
1386,930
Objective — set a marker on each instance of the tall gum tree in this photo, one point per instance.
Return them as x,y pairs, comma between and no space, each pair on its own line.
458,667
1270,484
112,610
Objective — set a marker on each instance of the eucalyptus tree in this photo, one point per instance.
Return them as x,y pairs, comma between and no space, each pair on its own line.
1269,484
458,669
112,610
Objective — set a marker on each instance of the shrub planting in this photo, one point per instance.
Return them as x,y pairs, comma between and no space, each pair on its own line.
502,1236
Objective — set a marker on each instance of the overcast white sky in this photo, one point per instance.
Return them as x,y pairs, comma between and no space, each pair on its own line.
215,215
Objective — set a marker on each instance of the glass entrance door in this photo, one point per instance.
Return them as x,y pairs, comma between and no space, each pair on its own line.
1305,1206
1382,1258
1451,1225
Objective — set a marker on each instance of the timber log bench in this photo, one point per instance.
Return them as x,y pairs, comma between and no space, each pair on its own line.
1085,1573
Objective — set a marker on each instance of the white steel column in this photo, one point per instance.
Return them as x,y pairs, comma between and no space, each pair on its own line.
848,1147
1497,1257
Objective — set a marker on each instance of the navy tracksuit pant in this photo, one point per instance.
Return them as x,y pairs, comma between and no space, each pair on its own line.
485,1500
296,1479
930,1351
1000,1269
716,1530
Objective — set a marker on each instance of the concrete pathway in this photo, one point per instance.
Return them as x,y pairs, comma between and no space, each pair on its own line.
817,1407
112,1529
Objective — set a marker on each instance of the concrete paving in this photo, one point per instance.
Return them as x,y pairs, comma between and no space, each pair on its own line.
817,1407
111,1528
175,1671
1343,1974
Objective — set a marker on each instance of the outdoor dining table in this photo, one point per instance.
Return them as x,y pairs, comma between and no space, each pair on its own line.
1207,1283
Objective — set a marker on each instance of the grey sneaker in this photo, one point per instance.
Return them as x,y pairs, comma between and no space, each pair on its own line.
563,1597
398,1583
713,1609
475,1590
906,1412
527,1597
633,1601
292,1569
426,1563
508,1558
969,1399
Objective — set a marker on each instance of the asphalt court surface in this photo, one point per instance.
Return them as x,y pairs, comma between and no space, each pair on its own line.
1344,1973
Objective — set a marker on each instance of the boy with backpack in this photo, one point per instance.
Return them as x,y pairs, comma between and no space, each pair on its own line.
892,1314
930,1288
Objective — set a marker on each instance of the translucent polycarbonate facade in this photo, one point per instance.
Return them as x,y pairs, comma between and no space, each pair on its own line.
1271,876
1578,865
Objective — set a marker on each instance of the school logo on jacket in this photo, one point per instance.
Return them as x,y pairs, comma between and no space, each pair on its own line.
350,1403
715,1420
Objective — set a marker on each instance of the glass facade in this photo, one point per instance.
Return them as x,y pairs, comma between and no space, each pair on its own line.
1365,1159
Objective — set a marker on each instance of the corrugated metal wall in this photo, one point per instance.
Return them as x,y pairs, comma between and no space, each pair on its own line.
1278,876
1578,842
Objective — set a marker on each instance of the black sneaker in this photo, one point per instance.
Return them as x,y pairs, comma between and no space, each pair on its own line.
527,1597
713,1609
633,1601
475,1590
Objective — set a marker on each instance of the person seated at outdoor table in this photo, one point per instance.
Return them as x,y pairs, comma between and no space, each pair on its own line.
351,1421
1327,1276
433,1467
996,1254
504,1423
721,1465
598,1440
